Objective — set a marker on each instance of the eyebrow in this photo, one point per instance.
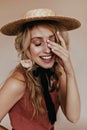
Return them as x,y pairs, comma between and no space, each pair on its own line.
37,37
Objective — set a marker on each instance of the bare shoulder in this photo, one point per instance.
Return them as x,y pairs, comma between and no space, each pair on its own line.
11,92
15,83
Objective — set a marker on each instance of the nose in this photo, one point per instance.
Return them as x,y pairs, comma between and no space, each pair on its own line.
46,48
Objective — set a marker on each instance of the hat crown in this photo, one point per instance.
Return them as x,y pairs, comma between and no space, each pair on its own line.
39,13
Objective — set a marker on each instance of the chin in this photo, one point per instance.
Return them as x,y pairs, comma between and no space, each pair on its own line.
47,66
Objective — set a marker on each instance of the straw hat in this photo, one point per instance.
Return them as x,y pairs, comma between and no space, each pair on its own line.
15,27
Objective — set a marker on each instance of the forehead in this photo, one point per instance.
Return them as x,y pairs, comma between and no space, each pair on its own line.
41,31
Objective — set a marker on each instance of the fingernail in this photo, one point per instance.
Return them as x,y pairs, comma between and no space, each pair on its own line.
49,44
52,49
58,32
48,40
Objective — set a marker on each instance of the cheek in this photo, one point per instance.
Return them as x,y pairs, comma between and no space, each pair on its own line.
34,51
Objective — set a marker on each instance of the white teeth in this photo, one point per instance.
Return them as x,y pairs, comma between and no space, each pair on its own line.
46,57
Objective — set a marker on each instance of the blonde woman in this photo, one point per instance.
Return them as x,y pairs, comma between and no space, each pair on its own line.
44,80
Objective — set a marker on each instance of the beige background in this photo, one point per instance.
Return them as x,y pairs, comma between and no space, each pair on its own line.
13,9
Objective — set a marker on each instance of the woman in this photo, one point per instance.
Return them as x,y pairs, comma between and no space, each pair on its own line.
44,78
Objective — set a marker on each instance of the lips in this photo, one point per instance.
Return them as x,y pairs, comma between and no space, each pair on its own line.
46,57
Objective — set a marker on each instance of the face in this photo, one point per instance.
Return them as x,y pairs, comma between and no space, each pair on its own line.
41,54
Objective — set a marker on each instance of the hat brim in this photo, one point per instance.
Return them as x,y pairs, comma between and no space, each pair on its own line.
13,28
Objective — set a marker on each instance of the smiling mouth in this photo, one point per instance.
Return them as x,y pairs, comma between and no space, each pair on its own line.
46,57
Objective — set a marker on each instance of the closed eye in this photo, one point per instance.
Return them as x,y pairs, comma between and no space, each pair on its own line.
38,44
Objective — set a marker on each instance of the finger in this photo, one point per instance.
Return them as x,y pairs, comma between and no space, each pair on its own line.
58,50
56,47
53,44
61,40
60,53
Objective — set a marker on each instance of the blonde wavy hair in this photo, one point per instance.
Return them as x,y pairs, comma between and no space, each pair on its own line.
22,44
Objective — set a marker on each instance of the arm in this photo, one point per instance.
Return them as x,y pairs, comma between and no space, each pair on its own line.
69,95
11,92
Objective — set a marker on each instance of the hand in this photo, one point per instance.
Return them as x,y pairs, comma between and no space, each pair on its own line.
62,53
